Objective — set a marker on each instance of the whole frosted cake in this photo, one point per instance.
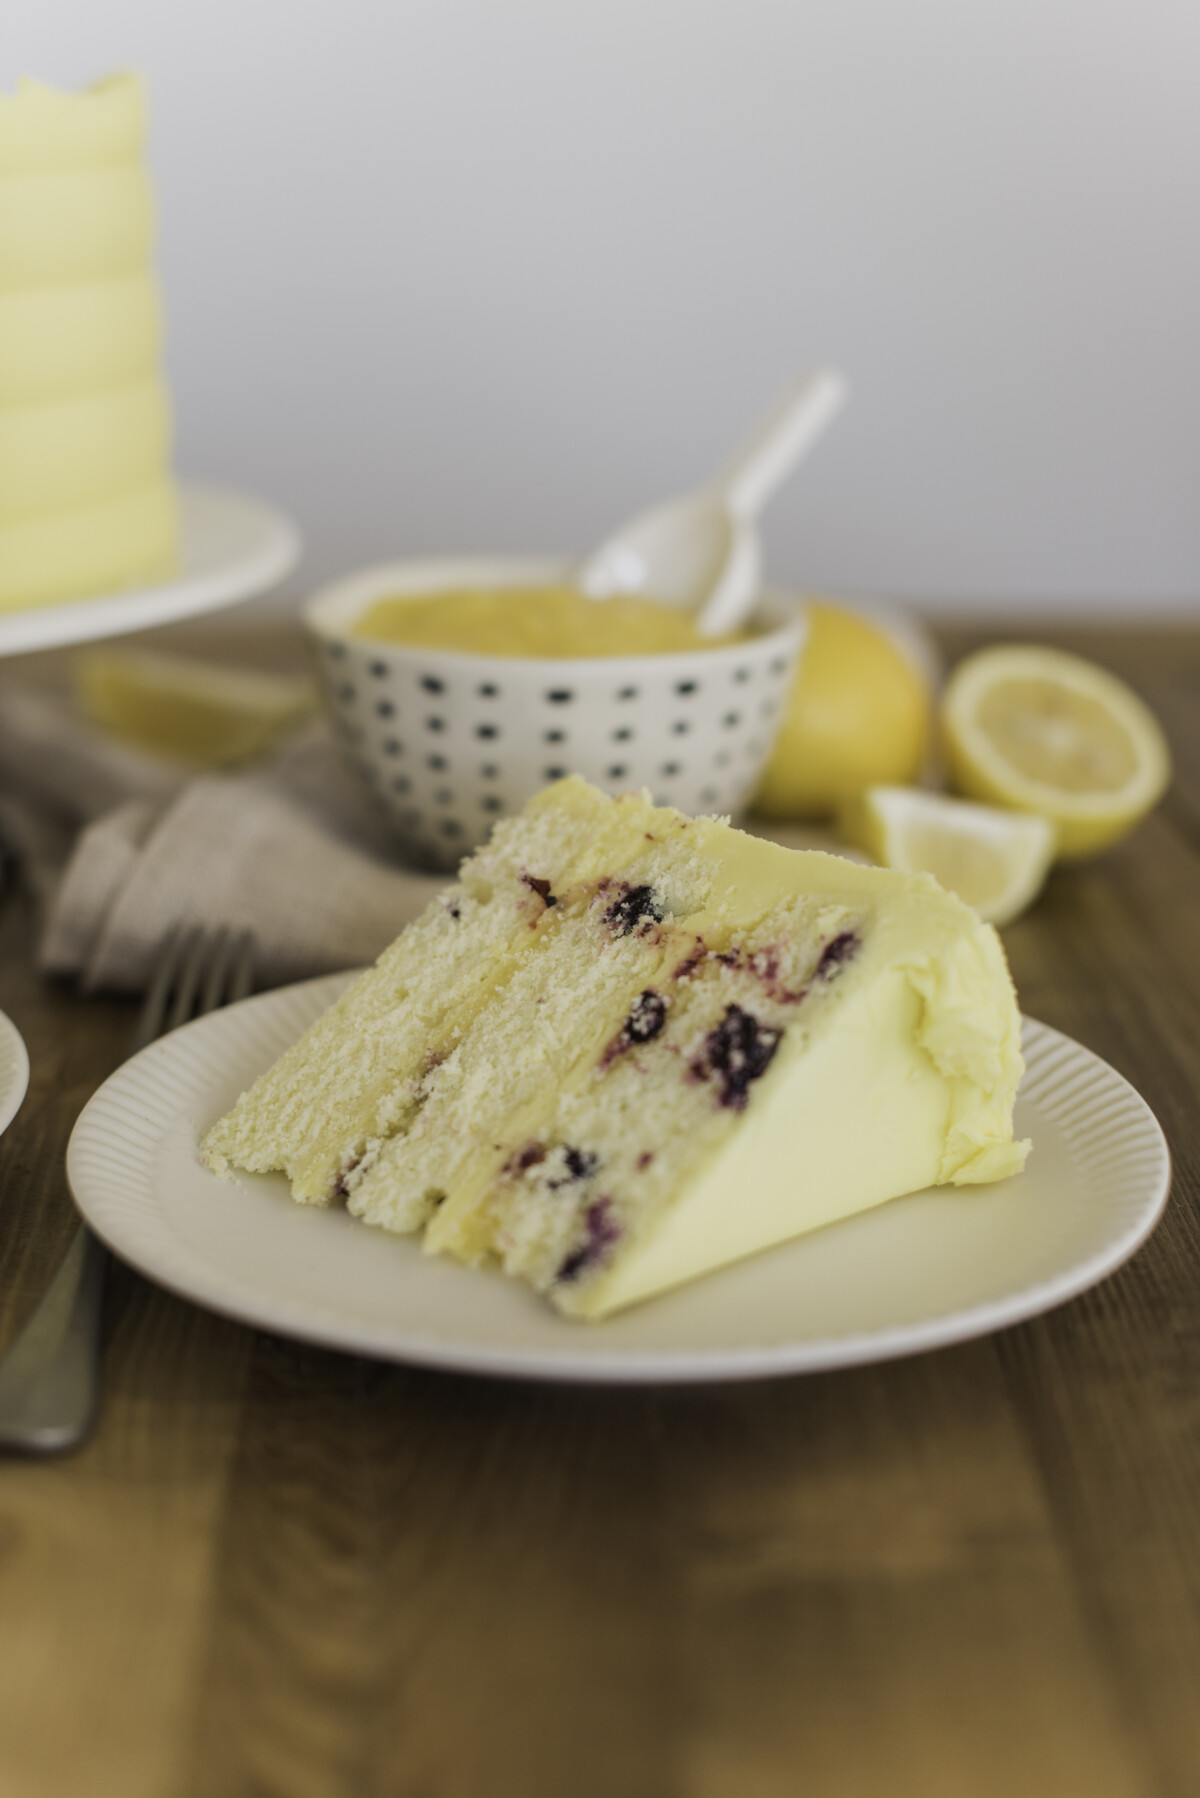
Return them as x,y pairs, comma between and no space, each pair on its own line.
86,501
629,1046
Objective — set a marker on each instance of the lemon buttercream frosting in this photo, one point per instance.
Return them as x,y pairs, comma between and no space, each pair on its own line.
87,505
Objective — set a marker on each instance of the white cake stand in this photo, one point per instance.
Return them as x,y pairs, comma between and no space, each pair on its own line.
231,547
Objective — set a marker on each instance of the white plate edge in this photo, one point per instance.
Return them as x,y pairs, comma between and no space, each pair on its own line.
12,1100
330,1328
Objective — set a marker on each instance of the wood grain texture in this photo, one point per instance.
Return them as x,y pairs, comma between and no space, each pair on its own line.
277,1572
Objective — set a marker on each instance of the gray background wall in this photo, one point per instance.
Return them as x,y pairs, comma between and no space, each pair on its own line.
493,273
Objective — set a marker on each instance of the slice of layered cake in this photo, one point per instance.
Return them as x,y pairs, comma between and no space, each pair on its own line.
629,1046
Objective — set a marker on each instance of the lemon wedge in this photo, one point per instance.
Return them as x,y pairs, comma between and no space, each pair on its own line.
995,860
1047,732
204,713
858,712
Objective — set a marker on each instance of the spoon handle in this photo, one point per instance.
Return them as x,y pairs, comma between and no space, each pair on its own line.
747,482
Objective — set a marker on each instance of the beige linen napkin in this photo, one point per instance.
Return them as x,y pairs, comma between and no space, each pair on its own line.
119,847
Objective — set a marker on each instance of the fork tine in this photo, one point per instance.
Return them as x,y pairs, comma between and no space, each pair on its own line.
154,1005
220,956
188,977
241,983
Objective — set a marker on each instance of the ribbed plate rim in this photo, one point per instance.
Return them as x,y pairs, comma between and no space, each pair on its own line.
109,1171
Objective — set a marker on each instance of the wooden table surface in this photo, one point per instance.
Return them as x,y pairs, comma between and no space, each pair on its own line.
276,1570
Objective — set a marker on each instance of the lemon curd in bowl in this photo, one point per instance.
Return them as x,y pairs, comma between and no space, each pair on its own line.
456,700
553,619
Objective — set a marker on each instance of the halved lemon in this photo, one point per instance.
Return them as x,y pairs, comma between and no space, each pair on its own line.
995,860
1046,732
204,713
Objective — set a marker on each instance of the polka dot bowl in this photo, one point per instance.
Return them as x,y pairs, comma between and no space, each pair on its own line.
448,741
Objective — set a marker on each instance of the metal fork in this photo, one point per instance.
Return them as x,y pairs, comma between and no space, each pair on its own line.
50,1377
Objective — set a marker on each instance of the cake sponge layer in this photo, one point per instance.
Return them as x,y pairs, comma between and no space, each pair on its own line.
360,1074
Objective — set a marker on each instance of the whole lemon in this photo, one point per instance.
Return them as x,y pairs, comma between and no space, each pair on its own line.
858,715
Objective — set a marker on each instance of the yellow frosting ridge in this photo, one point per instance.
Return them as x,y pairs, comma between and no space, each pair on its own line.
71,225
95,549
81,450
43,128
974,1041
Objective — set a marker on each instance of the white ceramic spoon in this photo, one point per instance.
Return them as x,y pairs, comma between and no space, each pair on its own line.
702,550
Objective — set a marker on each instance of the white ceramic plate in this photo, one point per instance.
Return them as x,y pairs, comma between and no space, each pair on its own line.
926,1270
14,1070
232,547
